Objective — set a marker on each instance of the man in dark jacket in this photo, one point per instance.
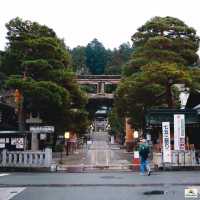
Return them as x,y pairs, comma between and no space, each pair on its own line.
144,153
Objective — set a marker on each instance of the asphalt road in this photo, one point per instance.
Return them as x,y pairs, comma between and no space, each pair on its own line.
98,186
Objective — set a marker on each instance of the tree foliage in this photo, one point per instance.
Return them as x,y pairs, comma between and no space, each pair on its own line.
117,123
154,86
66,78
165,48
164,39
31,42
41,64
46,98
96,57
118,58
131,98
79,60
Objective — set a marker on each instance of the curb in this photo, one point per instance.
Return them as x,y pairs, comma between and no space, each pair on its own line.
25,169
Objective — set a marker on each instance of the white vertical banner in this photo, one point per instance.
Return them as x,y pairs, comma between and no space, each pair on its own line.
179,132
182,133
166,142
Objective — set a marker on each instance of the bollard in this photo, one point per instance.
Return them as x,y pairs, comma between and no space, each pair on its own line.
53,168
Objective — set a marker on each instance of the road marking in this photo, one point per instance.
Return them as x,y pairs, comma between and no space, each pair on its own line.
8,193
4,174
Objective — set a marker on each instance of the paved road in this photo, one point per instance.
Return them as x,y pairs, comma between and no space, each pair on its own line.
98,155
98,186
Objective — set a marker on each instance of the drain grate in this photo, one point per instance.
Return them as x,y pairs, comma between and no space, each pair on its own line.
154,192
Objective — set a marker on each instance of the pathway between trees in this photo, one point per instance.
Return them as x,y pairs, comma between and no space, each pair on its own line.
98,156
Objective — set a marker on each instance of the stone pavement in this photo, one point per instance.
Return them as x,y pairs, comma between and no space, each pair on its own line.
76,158
98,155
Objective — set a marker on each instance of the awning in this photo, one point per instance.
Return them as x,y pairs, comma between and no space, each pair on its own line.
155,117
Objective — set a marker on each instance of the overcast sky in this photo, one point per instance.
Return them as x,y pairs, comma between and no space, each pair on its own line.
112,22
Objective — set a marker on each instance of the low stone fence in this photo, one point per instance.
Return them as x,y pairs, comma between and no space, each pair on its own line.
26,158
179,158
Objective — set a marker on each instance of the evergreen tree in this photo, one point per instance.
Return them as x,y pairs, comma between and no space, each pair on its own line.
163,40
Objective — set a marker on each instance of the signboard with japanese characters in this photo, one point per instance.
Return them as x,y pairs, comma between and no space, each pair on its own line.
136,154
7,140
19,143
2,142
43,136
179,132
166,142
13,141
42,129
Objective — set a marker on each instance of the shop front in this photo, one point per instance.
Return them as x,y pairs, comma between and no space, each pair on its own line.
15,140
155,117
183,133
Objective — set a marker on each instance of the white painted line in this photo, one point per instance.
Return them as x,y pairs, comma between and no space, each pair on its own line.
8,193
4,174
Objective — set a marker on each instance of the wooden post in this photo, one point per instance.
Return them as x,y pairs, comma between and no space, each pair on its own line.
129,135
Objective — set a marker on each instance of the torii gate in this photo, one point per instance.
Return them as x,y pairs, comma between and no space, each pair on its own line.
100,81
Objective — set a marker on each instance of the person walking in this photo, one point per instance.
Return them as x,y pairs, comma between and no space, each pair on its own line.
144,154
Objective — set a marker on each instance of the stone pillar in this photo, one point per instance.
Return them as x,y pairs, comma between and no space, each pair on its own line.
48,157
102,88
99,88
34,142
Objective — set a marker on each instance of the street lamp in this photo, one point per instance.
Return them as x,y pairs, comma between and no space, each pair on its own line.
135,136
91,128
67,136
